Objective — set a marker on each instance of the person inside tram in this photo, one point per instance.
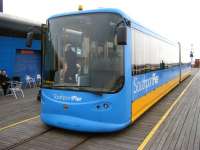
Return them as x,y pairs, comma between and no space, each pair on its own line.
162,65
62,75
71,60
70,67
4,81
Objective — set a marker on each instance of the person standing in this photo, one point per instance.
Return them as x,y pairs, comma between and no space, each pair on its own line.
1,77
71,62
4,81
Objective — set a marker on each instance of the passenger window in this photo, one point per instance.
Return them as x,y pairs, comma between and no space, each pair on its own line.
151,54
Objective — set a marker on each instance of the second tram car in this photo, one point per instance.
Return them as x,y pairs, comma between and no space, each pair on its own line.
101,70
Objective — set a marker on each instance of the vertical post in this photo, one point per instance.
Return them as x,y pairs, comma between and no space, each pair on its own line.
191,53
191,56
1,5
43,30
179,45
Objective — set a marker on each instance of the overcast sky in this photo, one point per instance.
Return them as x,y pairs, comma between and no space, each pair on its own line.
175,19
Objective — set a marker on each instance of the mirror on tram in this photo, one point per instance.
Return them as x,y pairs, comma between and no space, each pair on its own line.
122,35
29,39
44,28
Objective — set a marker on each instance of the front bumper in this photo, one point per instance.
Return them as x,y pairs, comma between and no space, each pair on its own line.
78,124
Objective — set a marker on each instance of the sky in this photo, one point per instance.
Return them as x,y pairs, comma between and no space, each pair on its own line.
177,20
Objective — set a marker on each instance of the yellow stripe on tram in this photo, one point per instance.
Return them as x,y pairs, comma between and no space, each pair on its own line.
142,104
155,128
17,123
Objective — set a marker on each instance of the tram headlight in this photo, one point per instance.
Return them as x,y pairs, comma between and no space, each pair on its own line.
106,106
103,106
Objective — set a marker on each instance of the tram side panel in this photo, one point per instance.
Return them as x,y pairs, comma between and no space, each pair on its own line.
155,71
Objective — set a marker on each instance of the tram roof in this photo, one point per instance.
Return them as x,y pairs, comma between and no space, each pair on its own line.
134,23
16,26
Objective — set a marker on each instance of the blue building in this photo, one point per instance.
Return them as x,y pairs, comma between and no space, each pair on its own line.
17,59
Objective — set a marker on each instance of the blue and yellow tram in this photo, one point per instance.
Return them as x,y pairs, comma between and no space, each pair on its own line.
101,70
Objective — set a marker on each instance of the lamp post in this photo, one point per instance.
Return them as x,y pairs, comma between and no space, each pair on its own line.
192,53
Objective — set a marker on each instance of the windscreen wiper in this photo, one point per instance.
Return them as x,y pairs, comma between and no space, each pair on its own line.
76,87
99,93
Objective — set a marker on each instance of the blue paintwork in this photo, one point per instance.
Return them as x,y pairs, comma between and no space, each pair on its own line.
100,10
163,77
8,46
83,115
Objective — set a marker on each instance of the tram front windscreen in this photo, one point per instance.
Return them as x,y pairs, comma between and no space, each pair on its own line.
81,53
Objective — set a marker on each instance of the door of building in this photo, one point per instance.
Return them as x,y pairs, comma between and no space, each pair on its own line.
28,62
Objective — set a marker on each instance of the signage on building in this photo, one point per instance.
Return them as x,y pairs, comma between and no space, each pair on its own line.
1,5
27,51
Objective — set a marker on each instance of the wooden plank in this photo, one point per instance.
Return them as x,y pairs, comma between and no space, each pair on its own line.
180,126
194,127
55,139
21,132
188,122
153,144
13,110
159,141
180,130
180,122
197,136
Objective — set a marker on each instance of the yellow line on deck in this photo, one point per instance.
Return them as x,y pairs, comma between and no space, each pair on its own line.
20,122
152,132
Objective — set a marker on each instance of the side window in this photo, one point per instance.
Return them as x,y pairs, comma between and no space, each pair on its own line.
138,54
150,54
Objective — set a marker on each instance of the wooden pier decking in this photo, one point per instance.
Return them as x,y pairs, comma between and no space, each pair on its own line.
179,130
13,110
